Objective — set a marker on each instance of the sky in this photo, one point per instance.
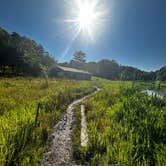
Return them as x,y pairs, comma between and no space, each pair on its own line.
132,32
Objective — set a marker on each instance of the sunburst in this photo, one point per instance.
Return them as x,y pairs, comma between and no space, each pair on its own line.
85,17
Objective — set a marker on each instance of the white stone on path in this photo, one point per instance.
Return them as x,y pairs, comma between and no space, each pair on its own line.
84,133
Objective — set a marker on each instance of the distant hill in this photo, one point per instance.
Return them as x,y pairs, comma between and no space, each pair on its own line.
22,56
161,74
110,69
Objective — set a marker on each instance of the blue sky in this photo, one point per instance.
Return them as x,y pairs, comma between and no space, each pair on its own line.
134,32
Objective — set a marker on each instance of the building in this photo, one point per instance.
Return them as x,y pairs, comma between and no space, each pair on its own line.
72,73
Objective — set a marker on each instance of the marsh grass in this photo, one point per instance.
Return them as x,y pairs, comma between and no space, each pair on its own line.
125,127
28,111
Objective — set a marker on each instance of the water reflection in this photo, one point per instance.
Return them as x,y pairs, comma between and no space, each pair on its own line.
158,94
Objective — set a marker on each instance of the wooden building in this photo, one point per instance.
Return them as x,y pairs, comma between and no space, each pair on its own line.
72,73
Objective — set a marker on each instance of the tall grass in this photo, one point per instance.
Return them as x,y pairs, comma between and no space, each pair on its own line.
28,111
125,127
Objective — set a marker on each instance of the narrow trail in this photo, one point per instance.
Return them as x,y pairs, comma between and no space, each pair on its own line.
60,152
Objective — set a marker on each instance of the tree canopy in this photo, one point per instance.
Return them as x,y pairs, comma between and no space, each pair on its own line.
79,57
110,69
22,56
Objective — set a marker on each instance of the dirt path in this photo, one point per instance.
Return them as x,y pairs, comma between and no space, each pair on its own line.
60,153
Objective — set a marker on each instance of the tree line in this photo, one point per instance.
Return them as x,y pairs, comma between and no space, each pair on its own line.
20,55
110,69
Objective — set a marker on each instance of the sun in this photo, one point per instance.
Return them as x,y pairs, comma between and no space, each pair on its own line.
86,15
84,20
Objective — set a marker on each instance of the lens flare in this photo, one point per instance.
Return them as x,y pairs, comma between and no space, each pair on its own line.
86,18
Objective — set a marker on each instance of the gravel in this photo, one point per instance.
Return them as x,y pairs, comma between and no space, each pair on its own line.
60,151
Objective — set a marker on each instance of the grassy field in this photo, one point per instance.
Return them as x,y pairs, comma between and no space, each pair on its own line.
125,127
28,110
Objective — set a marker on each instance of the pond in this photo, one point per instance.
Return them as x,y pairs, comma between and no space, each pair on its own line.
159,94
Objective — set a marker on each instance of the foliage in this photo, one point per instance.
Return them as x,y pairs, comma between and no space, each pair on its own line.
125,127
161,74
52,71
79,57
29,108
110,69
78,61
22,56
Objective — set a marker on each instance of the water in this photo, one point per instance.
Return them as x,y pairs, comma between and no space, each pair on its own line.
153,93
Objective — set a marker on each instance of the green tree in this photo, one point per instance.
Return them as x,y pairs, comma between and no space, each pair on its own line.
22,56
161,74
79,57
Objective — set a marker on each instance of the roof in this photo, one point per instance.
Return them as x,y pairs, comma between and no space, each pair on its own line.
72,70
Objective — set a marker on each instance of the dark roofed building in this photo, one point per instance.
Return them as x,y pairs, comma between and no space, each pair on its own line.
72,73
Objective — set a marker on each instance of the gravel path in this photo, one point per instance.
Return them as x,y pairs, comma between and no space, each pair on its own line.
60,152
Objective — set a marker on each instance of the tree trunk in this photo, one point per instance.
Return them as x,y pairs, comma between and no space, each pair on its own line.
3,70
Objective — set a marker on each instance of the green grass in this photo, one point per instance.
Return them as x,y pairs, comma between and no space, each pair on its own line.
163,85
125,127
28,110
